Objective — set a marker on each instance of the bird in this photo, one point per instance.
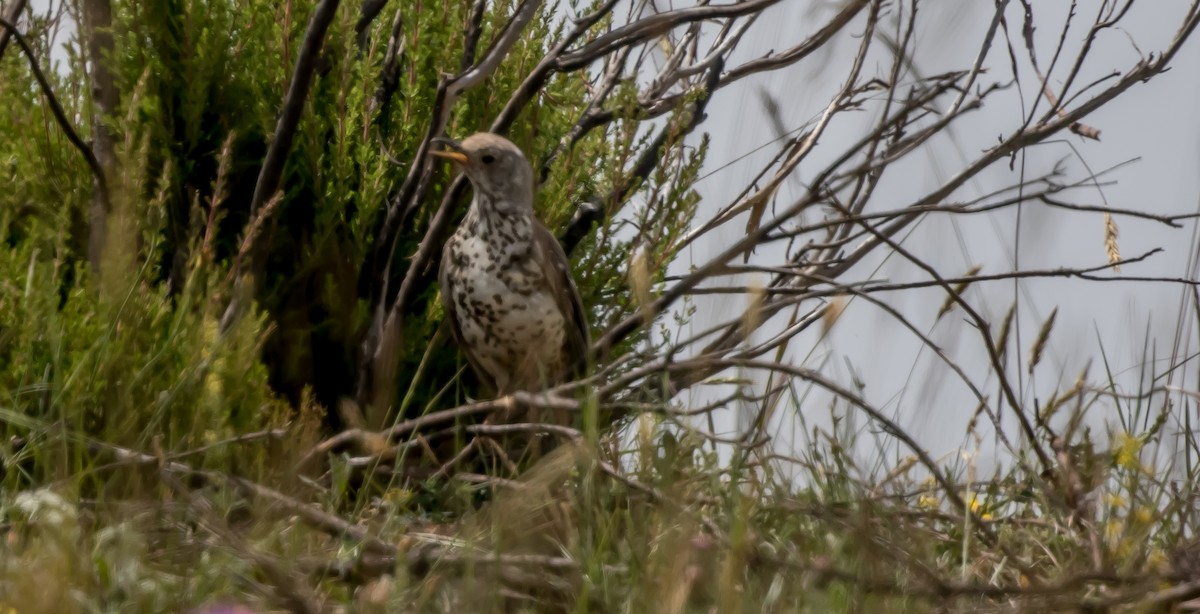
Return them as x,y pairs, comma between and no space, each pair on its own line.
507,291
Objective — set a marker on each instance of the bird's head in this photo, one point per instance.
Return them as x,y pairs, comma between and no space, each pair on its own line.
497,168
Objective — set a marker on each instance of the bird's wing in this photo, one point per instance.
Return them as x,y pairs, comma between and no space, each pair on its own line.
451,318
557,271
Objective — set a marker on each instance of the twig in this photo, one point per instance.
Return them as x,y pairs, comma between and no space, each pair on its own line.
293,104
389,74
367,13
14,13
60,116
285,129
295,596
653,26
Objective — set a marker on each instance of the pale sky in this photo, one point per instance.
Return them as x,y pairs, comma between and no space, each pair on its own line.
1155,123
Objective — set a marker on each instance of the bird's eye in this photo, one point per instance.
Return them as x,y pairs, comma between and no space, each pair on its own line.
488,159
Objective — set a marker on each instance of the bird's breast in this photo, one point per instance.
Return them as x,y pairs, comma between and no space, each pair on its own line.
505,309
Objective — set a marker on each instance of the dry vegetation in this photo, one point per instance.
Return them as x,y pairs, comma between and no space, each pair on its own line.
225,384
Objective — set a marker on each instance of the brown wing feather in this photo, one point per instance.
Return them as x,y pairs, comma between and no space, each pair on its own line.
451,318
556,268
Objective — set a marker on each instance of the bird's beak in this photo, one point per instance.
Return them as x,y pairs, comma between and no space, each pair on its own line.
453,151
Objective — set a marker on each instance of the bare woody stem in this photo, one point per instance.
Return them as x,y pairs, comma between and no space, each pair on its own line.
289,118
98,28
60,116
14,13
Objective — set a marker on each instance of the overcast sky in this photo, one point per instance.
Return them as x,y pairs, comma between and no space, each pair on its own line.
1154,124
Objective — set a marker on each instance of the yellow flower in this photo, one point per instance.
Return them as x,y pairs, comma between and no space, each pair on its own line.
397,497
980,508
1113,530
1128,449
1116,500
1157,561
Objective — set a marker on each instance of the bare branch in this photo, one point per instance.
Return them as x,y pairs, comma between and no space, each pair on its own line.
60,116
367,13
14,13
656,25
293,103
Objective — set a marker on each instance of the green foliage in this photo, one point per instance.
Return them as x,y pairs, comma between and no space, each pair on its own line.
201,84
139,358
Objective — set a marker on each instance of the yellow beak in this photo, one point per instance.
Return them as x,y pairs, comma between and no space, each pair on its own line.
453,150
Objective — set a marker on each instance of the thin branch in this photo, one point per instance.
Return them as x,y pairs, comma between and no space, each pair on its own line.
367,13
60,115
293,104
654,26
14,13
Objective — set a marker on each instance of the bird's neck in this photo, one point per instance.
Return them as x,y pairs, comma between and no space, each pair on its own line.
499,222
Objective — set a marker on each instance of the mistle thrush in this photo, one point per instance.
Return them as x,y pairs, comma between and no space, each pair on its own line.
505,281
